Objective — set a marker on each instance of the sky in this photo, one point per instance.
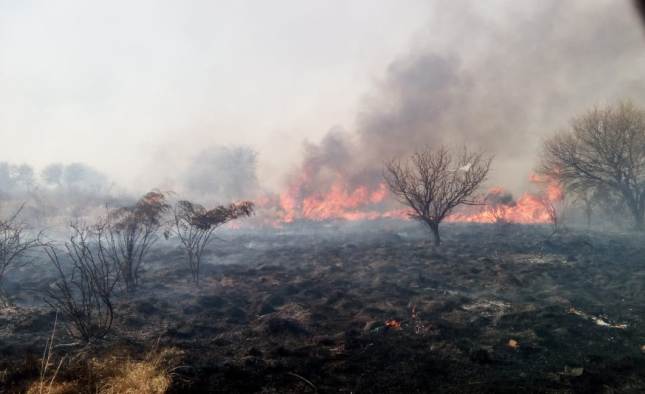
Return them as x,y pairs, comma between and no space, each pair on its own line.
137,89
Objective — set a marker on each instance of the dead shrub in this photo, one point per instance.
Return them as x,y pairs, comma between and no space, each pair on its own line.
15,245
194,226
131,232
83,292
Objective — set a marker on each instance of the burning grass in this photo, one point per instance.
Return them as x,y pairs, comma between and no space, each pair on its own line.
341,201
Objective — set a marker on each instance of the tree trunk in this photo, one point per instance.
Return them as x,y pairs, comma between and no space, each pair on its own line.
434,227
639,216
588,214
194,267
639,222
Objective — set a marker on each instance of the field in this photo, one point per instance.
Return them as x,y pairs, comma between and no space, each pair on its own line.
367,307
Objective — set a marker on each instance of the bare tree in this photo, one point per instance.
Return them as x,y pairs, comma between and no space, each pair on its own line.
14,246
432,182
605,148
131,232
84,289
194,226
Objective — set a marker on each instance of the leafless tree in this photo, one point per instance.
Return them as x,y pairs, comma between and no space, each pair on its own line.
432,182
15,244
584,198
131,231
194,226
84,289
605,148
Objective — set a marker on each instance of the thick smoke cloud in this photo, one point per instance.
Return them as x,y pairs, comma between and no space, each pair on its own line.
499,82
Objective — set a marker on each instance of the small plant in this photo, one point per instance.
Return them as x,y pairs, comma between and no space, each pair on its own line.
498,204
15,244
194,226
84,293
130,233
554,213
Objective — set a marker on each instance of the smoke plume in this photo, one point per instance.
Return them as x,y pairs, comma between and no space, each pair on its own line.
499,82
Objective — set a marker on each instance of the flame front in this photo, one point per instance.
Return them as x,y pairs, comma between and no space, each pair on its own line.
340,201
529,209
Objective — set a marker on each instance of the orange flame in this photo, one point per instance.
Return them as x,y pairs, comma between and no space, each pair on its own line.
393,324
530,208
340,201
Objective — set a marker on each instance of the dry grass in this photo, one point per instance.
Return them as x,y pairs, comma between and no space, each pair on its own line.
149,376
53,388
46,384
114,374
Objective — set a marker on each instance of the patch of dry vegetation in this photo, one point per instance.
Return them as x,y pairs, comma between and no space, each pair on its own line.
53,388
114,374
153,375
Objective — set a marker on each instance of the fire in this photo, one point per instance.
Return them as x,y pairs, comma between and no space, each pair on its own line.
530,208
341,201
393,324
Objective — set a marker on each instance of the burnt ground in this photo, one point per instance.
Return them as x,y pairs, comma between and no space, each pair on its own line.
305,309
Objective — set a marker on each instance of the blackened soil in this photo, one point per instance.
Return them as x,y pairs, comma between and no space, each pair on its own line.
383,311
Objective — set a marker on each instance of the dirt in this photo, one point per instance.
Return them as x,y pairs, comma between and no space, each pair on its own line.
375,309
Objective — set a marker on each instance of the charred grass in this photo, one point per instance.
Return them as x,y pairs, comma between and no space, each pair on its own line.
365,311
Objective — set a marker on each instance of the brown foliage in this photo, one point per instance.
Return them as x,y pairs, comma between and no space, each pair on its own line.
194,226
132,231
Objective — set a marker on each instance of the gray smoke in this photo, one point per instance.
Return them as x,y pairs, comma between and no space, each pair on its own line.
501,83
223,174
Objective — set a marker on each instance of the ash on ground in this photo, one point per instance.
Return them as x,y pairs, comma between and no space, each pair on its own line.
349,308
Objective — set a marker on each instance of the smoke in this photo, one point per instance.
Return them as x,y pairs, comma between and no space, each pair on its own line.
497,81
223,173
59,192
15,179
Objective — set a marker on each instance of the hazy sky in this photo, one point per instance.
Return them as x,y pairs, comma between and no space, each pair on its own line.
135,86
138,88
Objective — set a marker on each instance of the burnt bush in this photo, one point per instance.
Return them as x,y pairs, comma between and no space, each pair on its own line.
87,277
